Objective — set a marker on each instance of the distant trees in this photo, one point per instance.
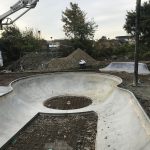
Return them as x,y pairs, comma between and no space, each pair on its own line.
14,43
144,23
10,42
77,27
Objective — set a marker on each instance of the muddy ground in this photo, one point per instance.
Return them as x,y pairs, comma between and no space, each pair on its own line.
57,132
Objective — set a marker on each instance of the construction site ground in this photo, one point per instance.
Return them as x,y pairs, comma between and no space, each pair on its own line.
57,132
142,92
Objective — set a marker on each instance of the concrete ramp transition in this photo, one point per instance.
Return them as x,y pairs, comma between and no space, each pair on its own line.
127,67
122,123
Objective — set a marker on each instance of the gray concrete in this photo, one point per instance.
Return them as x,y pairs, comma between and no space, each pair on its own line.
122,123
127,67
5,89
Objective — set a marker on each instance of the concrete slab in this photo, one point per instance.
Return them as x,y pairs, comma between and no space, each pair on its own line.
126,66
5,89
121,118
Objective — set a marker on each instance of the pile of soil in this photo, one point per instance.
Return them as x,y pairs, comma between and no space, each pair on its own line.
31,61
57,132
67,102
46,62
71,61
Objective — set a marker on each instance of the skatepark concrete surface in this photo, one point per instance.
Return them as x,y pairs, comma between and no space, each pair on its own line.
127,67
5,89
122,123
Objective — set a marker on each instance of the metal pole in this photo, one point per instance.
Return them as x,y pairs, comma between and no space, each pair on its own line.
137,34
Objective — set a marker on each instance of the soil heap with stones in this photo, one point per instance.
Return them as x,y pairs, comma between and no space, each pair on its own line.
71,61
45,62
30,62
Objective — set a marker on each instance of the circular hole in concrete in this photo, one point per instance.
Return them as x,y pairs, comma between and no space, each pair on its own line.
67,102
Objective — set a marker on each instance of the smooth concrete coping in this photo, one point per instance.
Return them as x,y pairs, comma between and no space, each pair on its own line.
120,117
126,67
5,90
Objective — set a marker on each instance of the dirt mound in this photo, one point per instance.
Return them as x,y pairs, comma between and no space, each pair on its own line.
30,61
71,61
46,62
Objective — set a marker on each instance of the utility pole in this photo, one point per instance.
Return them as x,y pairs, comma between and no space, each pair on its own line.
137,35
39,34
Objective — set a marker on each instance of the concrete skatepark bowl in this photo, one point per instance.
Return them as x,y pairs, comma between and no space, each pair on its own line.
126,67
120,117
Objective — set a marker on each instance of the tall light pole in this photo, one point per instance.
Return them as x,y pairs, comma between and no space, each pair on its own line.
137,35
39,34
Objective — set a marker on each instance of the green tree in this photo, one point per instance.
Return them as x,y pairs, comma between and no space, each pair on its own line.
11,42
77,27
144,23
31,42
15,43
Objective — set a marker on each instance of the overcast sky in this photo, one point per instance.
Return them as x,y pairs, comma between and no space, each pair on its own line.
46,17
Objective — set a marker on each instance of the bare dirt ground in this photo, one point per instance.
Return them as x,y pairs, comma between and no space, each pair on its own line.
6,78
57,132
67,102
